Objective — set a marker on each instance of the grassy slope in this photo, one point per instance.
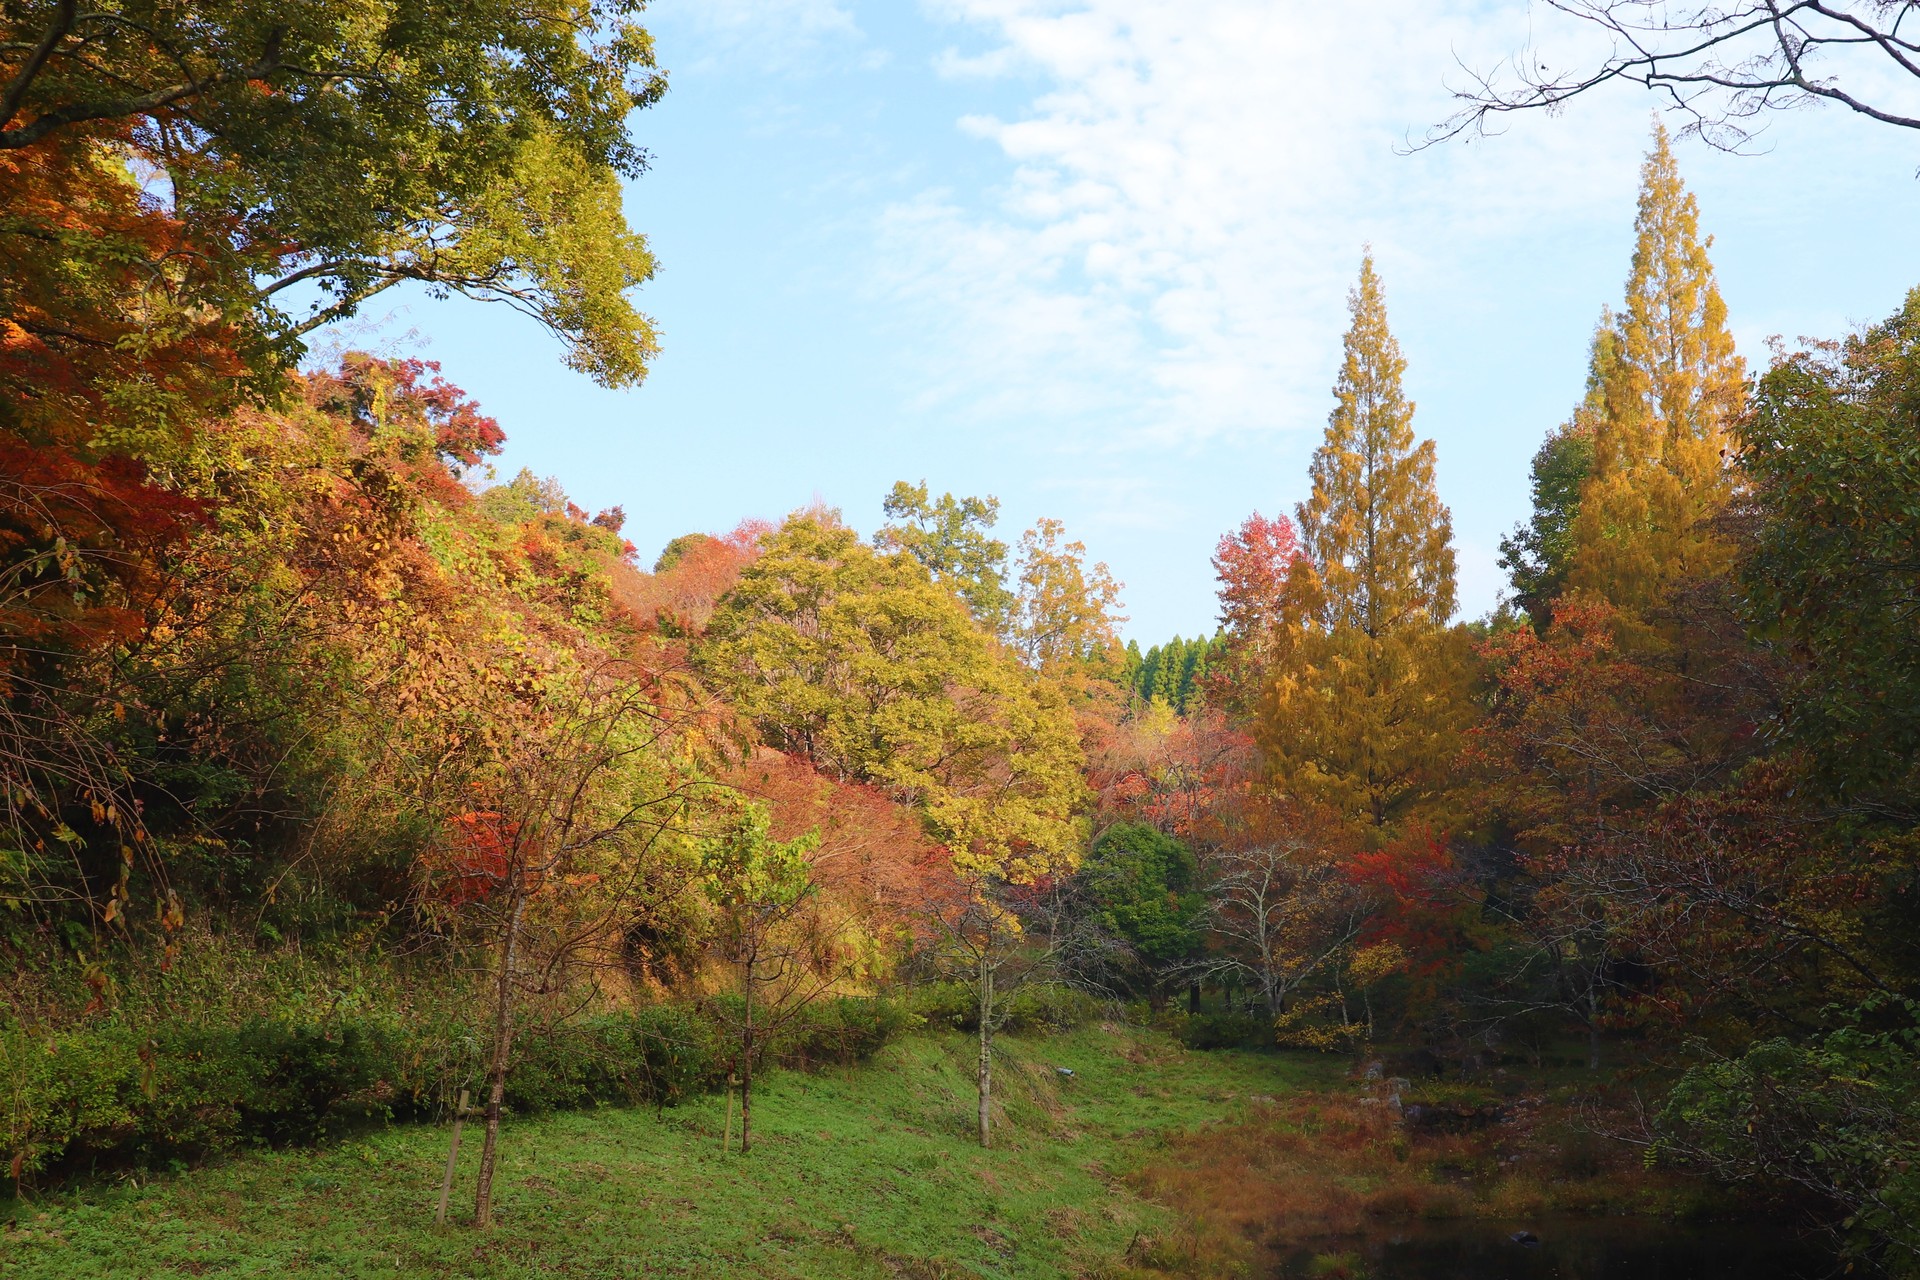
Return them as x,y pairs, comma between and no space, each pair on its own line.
862,1172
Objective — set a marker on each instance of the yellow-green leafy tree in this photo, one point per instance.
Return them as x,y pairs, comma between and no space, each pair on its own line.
858,661
1062,620
1367,697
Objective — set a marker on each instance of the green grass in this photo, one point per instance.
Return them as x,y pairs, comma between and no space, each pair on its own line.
865,1171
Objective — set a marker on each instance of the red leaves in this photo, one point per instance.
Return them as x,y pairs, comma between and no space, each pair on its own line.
874,853
376,393
1421,905
1174,773
85,535
481,854
101,362
1252,564
698,569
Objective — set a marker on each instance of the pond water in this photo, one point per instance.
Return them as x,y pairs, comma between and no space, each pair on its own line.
1567,1249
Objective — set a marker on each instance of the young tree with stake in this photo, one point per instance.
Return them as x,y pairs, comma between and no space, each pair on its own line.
545,869
769,929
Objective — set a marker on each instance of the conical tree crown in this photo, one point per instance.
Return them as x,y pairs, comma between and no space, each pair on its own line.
1375,530
1366,701
1669,393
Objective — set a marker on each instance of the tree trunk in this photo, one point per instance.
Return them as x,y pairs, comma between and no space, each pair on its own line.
746,1070
1593,1025
497,1069
1193,997
986,1050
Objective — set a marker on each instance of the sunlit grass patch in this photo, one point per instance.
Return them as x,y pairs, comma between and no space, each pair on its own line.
857,1171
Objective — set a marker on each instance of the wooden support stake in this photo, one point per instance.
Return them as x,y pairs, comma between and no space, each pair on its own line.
453,1155
726,1134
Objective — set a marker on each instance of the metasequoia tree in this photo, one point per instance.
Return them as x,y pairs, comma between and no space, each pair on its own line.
567,800
1723,66
1600,718
1670,388
312,145
1366,698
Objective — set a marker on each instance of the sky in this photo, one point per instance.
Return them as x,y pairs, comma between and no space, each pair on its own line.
1092,257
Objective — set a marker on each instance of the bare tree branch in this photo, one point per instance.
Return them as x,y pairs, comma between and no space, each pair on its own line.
1720,67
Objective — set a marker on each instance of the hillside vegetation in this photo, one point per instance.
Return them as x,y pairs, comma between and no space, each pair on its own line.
343,779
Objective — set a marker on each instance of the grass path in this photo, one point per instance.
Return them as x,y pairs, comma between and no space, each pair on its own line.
866,1171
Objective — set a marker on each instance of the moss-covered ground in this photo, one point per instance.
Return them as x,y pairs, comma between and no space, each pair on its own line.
863,1171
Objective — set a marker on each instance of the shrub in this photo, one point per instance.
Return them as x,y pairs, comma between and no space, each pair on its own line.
1225,1031
111,1095
1039,1008
80,1091
655,1055
297,1077
842,1031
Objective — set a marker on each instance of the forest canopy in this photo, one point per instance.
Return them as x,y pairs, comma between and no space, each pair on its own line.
337,771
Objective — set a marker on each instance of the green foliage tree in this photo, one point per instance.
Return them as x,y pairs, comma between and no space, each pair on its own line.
1364,708
1832,457
1168,672
759,888
950,537
1140,885
1538,554
1174,674
474,148
864,665
1835,1116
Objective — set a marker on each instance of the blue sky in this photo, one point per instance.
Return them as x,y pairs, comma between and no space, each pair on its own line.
1091,256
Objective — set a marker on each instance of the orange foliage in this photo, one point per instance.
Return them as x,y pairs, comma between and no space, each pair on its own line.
679,598
874,853
103,364
481,854
1175,773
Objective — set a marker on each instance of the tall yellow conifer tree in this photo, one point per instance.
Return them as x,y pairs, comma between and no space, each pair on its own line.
1368,698
1668,397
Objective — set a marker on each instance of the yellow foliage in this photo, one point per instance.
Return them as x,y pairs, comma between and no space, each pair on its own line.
1367,696
1669,387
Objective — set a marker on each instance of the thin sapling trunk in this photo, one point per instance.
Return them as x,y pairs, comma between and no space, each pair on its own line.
497,1068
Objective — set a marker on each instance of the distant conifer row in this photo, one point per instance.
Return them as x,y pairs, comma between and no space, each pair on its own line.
1173,673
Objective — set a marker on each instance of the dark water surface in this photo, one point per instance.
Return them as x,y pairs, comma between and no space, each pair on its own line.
1569,1249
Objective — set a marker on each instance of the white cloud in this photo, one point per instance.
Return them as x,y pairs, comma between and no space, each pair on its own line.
784,36
1188,196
